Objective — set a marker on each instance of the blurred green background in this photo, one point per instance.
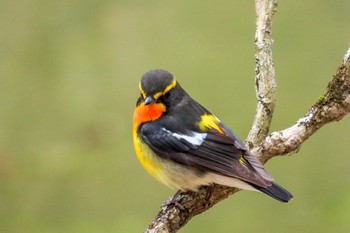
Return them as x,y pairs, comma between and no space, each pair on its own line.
69,73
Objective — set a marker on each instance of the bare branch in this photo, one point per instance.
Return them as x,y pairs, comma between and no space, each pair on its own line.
332,106
265,83
172,217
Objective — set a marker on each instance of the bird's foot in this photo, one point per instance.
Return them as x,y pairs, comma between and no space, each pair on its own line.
174,201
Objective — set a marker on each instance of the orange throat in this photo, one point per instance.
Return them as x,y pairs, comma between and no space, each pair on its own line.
144,113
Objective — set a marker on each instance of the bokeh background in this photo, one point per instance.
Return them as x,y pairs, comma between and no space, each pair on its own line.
69,73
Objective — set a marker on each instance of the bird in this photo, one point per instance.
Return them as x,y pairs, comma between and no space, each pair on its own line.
184,146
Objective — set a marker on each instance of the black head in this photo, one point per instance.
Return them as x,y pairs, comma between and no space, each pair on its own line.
155,85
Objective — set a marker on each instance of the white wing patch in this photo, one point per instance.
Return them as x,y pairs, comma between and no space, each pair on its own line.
195,139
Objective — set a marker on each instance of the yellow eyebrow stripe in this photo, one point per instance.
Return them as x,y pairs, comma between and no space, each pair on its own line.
171,86
166,90
142,91
157,95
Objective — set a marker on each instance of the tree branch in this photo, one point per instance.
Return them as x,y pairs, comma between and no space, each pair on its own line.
332,106
265,83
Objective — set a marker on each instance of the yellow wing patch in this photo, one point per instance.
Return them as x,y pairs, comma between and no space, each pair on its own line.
243,161
209,122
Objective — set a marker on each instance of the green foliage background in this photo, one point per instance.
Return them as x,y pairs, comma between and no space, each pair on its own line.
69,73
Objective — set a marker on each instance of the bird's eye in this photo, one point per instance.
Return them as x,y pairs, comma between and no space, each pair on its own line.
163,98
166,95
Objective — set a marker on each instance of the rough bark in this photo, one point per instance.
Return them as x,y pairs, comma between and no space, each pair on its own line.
332,106
265,83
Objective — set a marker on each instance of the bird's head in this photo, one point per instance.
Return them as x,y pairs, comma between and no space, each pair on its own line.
156,86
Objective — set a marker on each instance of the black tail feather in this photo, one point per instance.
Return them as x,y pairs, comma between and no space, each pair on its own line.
275,191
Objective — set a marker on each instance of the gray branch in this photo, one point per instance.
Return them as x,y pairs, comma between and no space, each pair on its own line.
265,83
332,106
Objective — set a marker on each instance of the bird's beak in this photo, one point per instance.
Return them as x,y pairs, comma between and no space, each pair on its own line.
149,100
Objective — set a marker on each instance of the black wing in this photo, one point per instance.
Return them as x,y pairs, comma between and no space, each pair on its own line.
210,151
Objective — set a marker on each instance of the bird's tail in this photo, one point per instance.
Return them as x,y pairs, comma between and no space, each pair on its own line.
275,191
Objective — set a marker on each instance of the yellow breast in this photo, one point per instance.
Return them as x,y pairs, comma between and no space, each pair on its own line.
146,157
166,171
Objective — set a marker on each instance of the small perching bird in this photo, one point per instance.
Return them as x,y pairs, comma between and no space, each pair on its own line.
184,146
